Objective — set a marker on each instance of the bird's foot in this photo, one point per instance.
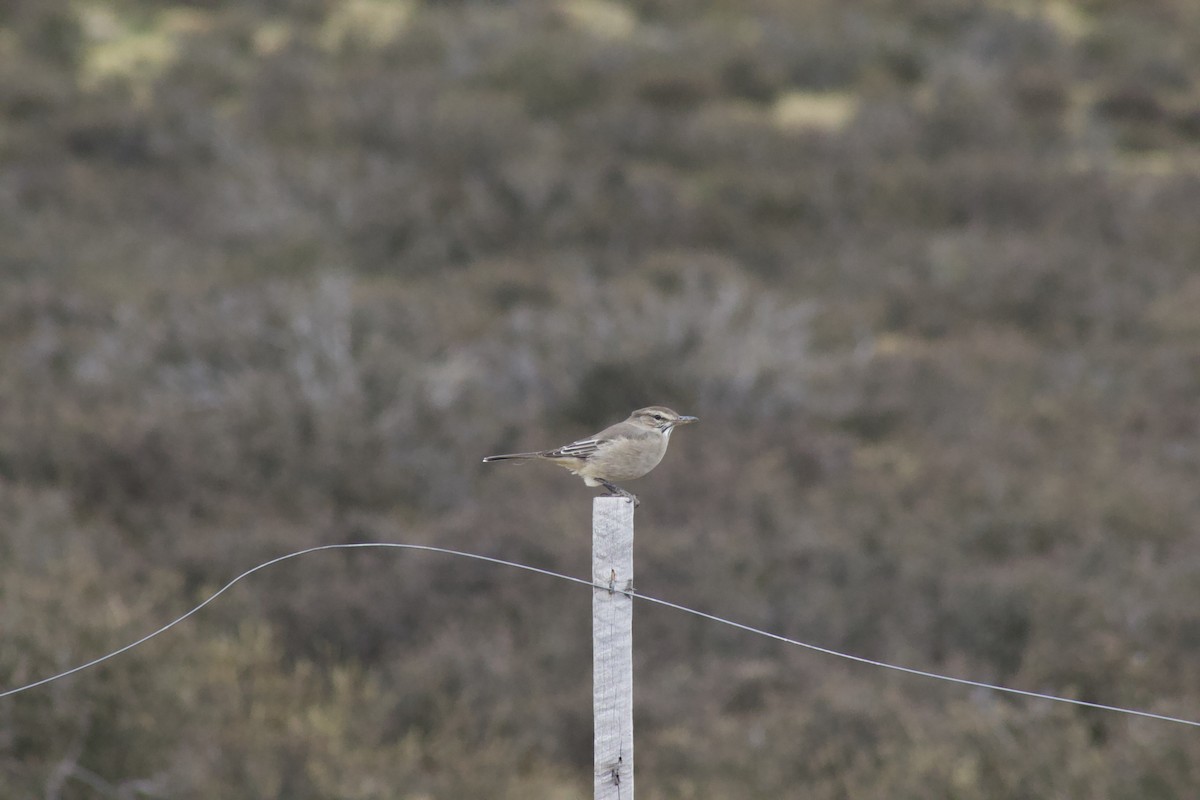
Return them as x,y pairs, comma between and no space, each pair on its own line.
617,491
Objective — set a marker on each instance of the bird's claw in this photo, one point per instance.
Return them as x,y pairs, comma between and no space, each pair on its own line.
617,491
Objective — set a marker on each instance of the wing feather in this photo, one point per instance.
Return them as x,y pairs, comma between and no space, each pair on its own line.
580,449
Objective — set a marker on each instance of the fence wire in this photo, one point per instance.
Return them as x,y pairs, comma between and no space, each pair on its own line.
630,592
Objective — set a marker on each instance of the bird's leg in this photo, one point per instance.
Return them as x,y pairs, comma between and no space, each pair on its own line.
617,491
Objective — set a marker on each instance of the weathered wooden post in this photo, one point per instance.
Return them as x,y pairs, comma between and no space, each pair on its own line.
612,646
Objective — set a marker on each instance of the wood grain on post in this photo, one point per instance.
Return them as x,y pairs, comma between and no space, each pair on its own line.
612,646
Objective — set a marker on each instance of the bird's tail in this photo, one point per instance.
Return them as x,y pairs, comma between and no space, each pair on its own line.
512,457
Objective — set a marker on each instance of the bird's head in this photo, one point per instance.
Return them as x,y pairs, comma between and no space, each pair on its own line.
659,418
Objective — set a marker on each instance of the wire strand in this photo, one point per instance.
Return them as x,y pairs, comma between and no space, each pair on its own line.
911,671
272,562
631,593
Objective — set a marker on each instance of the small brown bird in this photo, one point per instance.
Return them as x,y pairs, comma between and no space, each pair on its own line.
620,452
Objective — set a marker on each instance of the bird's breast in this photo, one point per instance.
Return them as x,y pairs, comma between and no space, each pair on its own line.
627,458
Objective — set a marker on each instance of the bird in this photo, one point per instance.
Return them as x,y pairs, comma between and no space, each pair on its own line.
620,452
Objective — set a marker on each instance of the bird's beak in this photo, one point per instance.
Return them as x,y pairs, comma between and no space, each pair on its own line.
684,420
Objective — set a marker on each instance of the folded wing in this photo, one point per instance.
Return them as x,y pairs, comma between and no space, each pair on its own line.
580,449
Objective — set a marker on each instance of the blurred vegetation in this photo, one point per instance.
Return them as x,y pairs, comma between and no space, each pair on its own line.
278,273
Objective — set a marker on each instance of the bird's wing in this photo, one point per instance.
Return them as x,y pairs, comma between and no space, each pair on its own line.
580,449
585,448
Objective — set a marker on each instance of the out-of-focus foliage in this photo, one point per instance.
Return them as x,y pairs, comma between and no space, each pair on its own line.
279,273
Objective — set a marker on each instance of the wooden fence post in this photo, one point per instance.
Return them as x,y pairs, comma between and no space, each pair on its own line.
612,647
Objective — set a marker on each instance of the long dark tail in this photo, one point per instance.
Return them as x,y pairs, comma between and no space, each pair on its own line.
512,457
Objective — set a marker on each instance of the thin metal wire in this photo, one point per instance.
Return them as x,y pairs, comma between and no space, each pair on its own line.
273,561
629,592
911,671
